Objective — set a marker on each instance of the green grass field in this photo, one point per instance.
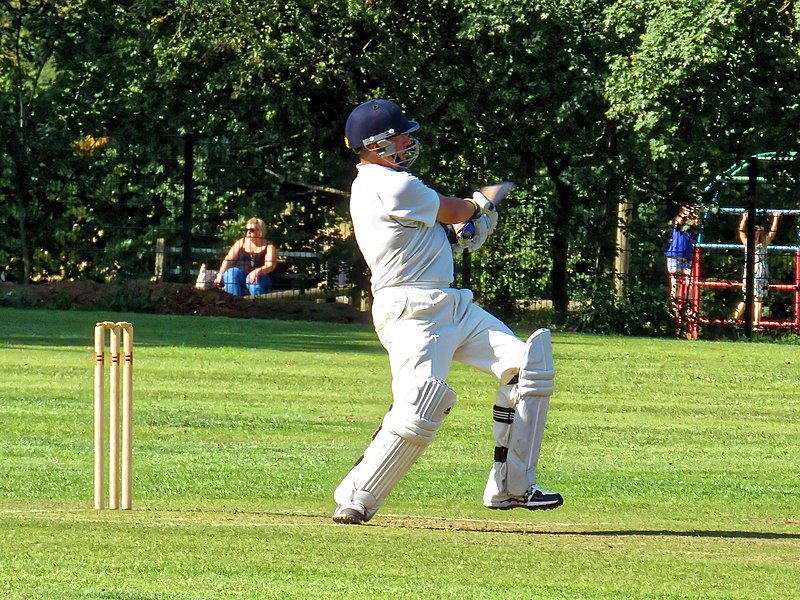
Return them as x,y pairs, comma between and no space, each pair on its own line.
678,462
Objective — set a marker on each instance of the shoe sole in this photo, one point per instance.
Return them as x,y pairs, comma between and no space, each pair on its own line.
347,521
549,506
348,518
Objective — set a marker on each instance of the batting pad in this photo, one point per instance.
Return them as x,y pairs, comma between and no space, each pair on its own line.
520,416
537,373
407,430
503,415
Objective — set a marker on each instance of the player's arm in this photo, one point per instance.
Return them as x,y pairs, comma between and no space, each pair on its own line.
455,210
471,220
458,210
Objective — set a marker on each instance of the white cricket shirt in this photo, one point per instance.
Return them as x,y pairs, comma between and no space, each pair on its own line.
394,219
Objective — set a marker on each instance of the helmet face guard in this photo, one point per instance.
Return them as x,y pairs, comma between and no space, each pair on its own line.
386,147
376,122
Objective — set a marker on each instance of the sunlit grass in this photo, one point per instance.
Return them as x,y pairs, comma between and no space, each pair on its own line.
678,461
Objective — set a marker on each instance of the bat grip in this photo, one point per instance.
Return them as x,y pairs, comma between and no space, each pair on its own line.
468,232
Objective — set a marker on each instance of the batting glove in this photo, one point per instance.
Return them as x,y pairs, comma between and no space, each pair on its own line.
473,234
487,208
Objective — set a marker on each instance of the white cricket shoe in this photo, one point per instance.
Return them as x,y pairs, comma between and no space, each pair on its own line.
350,514
535,498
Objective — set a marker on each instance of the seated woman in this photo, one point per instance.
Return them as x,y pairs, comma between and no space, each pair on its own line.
249,262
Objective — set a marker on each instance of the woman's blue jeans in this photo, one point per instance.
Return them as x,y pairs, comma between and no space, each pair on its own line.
234,280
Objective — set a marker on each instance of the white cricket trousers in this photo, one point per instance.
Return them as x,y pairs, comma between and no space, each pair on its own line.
424,330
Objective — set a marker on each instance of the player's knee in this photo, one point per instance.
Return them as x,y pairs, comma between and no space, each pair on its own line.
418,414
537,373
539,383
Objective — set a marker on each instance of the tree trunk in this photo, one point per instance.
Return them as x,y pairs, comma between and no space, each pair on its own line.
17,147
560,249
20,195
25,253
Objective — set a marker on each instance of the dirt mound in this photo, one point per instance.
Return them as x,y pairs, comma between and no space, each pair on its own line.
176,299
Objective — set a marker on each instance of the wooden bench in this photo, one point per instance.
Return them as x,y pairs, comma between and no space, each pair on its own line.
212,257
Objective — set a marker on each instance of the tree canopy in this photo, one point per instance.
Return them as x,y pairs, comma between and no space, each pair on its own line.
584,103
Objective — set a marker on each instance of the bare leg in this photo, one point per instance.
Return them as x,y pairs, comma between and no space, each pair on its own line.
675,291
757,307
739,311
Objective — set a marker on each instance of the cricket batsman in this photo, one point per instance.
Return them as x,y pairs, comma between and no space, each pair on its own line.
407,233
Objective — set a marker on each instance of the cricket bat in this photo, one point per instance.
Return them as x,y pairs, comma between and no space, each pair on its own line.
496,192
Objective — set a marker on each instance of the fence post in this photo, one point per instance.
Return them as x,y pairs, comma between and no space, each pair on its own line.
623,258
161,260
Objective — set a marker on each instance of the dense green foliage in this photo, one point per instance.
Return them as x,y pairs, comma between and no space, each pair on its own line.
584,103
677,460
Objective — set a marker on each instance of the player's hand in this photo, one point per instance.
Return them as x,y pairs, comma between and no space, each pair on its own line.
487,208
486,205
472,234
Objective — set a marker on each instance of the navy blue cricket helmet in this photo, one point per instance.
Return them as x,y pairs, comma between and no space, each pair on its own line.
375,120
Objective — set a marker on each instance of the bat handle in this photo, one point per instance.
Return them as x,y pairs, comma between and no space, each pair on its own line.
468,232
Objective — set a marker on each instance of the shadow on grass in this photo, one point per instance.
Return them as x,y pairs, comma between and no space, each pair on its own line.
552,529
30,327
620,533
211,516
693,533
